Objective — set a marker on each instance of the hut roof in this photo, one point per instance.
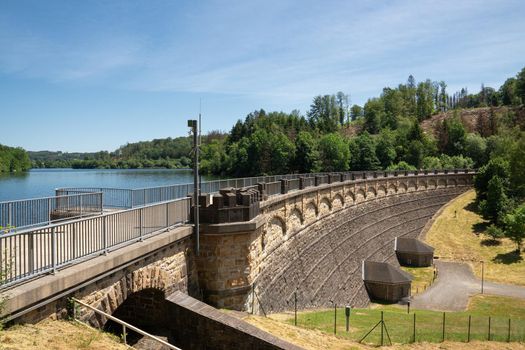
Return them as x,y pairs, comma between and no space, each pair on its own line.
412,245
374,271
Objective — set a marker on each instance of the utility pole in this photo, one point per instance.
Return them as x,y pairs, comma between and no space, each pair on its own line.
193,124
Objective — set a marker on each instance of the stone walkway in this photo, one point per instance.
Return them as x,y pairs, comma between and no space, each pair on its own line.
455,284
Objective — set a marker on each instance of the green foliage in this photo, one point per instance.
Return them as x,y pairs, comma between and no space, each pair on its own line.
306,153
515,226
324,114
452,136
385,148
496,205
494,232
356,111
334,153
401,166
495,167
520,85
363,153
13,159
517,167
476,148
425,100
374,113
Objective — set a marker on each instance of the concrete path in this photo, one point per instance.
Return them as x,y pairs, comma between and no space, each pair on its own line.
454,285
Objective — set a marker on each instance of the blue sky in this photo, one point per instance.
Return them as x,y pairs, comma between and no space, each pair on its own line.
92,75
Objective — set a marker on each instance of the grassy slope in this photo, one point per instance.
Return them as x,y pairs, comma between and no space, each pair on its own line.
455,238
57,335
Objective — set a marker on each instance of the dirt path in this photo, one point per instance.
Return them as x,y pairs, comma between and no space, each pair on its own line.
455,284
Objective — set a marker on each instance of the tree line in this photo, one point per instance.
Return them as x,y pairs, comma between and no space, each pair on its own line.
13,159
383,134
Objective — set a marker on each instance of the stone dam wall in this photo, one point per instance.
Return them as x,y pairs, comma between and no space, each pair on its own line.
313,242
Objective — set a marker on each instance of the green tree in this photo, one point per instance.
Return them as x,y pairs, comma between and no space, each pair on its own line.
363,153
334,153
323,113
476,148
306,153
425,100
495,206
374,112
517,167
508,94
401,166
495,167
515,226
342,106
356,112
385,148
520,85
452,136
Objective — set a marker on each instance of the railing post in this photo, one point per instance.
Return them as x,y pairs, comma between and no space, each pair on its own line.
31,248
49,210
105,235
141,223
167,215
54,249
80,200
9,213
131,198
124,334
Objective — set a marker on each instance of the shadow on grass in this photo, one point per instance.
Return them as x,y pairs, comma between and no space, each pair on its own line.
508,258
480,227
472,206
489,242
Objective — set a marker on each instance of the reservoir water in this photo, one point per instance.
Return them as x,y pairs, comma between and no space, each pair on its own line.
42,182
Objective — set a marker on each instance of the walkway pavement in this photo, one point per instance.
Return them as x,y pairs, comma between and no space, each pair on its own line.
455,284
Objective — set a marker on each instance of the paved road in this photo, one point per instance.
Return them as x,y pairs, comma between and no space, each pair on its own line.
454,285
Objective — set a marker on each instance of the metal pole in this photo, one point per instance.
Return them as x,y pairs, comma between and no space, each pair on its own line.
295,306
124,334
348,311
382,327
414,329
443,336
482,275
335,318
508,333
195,128
468,333
54,249
489,330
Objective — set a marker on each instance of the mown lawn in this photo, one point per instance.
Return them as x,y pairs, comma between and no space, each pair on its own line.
457,234
429,324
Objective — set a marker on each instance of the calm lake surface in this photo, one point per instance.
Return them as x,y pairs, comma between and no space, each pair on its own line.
42,182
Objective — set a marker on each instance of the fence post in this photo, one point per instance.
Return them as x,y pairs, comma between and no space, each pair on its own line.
443,336
382,327
9,215
80,204
167,215
489,330
468,333
508,333
414,330
31,257
54,249
253,298
295,306
335,318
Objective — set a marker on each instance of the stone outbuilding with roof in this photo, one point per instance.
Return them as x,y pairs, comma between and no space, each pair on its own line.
386,282
413,252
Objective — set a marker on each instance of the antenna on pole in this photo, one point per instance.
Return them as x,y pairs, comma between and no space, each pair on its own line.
200,132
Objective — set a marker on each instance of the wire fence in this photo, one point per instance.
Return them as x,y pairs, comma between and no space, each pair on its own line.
393,325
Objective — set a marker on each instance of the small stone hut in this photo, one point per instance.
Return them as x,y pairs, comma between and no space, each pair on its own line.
413,252
386,282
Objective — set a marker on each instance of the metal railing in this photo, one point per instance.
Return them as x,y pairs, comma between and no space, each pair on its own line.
42,211
132,198
32,252
124,325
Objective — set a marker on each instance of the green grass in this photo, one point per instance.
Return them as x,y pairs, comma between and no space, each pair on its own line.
422,278
428,323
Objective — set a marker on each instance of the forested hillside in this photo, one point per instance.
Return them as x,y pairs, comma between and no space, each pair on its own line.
413,125
159,153
13,159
